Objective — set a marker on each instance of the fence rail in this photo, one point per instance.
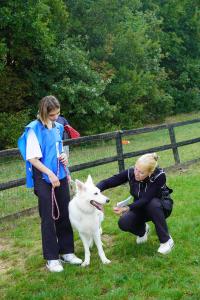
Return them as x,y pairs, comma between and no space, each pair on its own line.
120,155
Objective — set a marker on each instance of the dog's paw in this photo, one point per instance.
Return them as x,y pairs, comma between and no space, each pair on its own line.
85,264
106,261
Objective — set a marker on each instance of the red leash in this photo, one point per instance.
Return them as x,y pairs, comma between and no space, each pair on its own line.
53,198
54,203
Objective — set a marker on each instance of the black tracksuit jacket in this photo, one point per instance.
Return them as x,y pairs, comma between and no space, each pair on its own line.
142,191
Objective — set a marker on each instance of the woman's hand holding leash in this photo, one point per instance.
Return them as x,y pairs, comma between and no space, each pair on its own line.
42,168
53,179
63,159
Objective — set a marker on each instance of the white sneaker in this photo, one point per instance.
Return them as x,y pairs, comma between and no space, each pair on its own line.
54,265
143,239
165,248
71,258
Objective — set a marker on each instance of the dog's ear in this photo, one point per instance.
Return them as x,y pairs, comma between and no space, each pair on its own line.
89,180
80,185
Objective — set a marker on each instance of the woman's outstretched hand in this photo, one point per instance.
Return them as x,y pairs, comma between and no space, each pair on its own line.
120,210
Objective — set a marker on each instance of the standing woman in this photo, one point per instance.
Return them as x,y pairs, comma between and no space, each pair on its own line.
46,171
152,200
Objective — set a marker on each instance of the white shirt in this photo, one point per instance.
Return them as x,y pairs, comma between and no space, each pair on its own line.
32,146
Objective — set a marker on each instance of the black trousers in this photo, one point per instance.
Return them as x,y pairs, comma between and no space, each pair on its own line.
134,220
57,235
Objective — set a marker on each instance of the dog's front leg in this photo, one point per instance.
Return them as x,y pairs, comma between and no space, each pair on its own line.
98,242
86,249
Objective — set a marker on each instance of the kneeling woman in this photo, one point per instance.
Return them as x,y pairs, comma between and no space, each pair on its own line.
151,200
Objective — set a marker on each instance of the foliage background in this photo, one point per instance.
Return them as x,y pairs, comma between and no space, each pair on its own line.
112,64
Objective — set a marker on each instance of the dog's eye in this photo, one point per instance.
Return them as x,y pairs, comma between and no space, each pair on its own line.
96,193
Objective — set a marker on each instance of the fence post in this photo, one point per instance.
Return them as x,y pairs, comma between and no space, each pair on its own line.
173,142
120,153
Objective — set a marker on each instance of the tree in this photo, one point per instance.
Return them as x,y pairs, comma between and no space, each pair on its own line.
37,57
123,41
180,42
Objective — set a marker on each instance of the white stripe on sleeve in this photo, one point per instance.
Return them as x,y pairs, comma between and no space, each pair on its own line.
32,146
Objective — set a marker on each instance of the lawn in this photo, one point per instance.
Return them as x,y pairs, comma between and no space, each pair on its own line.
137,272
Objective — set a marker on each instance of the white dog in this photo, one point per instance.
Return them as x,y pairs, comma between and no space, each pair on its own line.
86,215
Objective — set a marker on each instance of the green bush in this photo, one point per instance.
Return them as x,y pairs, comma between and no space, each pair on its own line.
11,127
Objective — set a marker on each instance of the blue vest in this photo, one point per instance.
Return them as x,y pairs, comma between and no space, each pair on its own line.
50,141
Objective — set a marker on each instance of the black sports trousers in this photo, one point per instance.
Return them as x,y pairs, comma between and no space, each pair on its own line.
57,235
134,220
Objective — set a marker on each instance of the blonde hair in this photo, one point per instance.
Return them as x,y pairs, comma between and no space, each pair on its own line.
46,105
149,161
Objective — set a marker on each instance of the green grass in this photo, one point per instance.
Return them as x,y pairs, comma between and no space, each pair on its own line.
137,272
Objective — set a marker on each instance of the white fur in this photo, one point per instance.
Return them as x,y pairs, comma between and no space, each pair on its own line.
87,219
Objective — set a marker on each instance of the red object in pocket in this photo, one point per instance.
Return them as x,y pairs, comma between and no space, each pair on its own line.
73,133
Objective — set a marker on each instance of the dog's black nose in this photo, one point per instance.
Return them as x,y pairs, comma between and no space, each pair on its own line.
107,200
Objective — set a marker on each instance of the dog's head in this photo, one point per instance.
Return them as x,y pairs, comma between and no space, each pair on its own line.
91,194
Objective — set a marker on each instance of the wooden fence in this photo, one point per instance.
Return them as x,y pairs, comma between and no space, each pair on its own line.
120,155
